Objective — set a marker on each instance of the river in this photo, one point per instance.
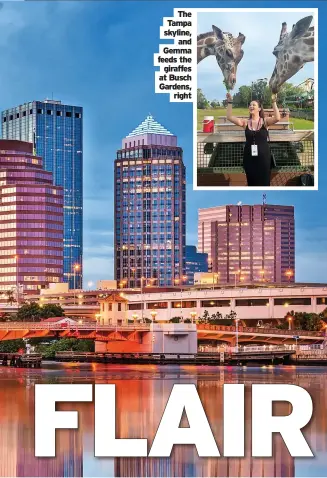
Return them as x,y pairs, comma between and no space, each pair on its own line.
141,395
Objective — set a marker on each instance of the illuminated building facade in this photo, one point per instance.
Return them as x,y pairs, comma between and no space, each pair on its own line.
194,262
31,220
248,243
149,208
56,130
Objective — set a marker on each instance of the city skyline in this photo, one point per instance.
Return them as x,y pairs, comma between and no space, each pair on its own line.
111,110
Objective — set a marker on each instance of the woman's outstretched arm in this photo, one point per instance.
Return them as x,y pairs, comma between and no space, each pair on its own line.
229,116
276,116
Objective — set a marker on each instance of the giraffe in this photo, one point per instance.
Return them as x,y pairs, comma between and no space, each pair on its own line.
227,50
292,52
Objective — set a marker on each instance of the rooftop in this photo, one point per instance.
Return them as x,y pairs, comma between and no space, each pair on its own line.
150,126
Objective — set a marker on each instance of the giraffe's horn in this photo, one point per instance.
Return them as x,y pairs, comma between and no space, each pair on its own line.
283,30
241,38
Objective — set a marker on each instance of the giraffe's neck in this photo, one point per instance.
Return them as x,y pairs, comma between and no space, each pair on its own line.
205,45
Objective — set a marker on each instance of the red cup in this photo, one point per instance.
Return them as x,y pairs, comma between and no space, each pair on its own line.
208,124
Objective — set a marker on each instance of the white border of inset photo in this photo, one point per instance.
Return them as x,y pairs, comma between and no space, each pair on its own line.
196,11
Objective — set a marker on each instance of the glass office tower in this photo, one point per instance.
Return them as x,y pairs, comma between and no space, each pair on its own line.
56,131
249,243
149,208
31,221
195,262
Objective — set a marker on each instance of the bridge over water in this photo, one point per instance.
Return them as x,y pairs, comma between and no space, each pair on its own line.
139,337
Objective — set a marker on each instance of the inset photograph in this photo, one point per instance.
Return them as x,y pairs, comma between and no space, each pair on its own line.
256,97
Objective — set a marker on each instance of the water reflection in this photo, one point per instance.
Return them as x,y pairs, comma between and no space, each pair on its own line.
141,396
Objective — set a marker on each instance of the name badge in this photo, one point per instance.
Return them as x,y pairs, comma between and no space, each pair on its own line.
254,150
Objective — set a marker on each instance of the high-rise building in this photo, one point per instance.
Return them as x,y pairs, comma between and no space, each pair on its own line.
248,243
149,208
56,130
31,220
194,262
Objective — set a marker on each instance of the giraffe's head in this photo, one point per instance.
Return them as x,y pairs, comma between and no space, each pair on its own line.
293,50
228,52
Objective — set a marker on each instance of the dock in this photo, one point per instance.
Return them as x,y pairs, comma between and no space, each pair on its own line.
19,360
201,358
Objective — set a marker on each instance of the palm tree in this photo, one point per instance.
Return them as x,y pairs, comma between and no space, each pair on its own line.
10,296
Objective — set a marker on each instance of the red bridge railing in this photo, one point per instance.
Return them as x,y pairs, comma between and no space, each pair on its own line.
260,330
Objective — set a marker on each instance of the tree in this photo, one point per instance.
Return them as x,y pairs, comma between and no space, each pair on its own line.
244,93
63,345
205,318
231,316
214,104
202,102
29,313
175,320
302,321
10,296
215,319
51,310
12,346
34,312
289,93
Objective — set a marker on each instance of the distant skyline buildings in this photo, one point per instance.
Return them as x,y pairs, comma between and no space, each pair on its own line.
194,262
249,243
31,221
56,132
149,208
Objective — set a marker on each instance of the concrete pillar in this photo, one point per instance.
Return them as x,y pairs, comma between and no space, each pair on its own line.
100,347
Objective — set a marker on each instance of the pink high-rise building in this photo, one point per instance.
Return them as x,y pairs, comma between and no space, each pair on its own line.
248,243
31,220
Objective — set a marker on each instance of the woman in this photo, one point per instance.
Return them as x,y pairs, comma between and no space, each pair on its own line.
257,156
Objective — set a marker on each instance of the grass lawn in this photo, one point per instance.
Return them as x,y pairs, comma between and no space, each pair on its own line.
298,122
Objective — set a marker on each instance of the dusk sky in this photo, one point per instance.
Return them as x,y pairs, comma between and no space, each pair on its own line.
99,55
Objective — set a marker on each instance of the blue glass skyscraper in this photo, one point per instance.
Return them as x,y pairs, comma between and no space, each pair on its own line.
56,130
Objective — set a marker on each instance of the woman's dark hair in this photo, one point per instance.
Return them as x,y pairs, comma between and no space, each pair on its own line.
261,112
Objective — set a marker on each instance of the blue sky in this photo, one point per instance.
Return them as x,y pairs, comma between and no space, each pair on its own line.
262,35
100,55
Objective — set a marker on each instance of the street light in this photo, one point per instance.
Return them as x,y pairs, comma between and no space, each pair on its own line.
289,273
76,267
17,281
180,281
236,327
142,304
289,318
193,315
153,315
235,275
135,317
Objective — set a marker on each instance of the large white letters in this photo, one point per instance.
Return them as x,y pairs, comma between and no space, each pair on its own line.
46,417
106,443
198,433
170,433
264,424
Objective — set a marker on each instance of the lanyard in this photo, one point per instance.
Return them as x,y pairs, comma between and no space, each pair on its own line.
255,131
